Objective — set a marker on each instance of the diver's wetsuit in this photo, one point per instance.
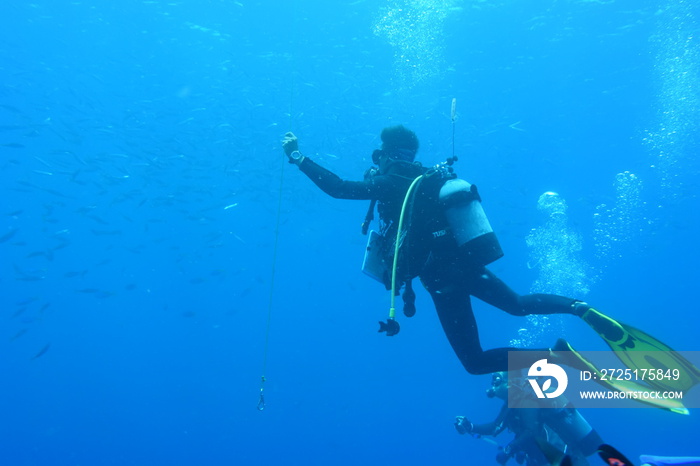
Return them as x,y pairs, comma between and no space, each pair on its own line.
388,190
532,432
450,279
527,428
536,423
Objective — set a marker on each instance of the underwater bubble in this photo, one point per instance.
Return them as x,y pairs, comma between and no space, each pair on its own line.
554,252
552,203
620,223
536,332
677,70
415,29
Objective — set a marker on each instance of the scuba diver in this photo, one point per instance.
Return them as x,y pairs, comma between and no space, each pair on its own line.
545,430
432,226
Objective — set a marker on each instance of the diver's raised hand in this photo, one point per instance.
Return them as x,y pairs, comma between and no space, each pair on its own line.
463,425
290,145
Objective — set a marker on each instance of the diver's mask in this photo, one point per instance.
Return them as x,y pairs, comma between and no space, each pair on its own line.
497,380
403,155
376,155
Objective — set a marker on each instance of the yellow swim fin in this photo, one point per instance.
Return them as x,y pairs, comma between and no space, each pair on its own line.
563,353
639,350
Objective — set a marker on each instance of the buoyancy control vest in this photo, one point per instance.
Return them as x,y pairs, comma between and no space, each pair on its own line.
443,213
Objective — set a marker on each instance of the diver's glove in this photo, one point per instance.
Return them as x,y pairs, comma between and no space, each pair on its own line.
290,145
463,425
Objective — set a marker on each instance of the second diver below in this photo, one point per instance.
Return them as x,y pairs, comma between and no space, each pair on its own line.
446,241
544,430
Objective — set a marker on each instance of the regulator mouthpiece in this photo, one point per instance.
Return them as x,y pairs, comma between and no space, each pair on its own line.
391,327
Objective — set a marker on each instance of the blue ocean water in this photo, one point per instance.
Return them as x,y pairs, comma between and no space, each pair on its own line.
160,256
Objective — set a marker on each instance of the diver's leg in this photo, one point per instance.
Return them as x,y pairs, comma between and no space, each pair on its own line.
453,306
454,310
492,290
489,288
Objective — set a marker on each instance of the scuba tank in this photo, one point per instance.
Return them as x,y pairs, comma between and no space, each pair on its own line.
573,429
468,222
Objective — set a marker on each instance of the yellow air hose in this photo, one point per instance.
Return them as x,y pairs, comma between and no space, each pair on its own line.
392,308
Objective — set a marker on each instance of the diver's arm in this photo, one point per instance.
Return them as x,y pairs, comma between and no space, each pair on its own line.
489,428
495,427
330,183
374,187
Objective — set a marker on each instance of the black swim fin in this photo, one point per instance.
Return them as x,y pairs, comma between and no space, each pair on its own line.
566,461
612,457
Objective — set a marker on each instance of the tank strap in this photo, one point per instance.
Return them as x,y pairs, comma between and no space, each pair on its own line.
368,217
460,197
475,192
